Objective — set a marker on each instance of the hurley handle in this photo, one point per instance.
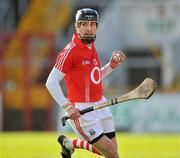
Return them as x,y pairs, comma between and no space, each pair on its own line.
63,120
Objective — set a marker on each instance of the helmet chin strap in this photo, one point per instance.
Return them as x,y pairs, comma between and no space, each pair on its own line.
87,40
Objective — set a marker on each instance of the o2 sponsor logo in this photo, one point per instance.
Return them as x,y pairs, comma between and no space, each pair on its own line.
98,71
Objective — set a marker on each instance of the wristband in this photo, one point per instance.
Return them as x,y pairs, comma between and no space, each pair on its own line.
67,106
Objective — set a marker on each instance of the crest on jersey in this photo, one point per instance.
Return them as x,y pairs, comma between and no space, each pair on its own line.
95,61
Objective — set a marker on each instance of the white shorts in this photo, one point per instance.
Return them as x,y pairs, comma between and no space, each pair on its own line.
91,125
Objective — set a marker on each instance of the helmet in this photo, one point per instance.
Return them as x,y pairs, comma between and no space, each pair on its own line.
87,14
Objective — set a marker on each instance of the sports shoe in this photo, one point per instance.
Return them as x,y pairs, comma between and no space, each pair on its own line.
66,144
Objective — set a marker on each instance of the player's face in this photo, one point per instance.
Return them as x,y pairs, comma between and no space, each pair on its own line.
87,28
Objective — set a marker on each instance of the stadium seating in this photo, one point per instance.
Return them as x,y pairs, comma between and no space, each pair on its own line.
28,51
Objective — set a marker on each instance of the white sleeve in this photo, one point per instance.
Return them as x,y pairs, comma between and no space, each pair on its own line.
54,87
106,70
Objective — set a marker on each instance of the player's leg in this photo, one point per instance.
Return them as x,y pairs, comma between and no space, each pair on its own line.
68,146
87,130
109,130
82,144
89,127
106,147
112,137
108,126
83,127
114,141
108,140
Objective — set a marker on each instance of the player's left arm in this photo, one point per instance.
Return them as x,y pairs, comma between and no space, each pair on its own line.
116,59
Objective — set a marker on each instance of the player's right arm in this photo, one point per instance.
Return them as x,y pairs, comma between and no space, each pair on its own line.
54,88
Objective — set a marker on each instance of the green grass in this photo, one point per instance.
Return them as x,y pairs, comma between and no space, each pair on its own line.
44,145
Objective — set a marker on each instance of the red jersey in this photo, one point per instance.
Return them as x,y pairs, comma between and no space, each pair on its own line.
81,66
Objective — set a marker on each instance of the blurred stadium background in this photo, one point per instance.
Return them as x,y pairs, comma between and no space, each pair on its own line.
33,31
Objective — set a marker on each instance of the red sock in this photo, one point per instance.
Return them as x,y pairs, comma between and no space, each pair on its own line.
77,143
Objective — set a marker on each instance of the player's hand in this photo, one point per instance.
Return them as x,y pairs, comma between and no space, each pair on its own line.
73,113
116,59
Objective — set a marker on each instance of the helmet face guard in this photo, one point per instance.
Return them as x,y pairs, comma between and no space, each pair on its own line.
87,14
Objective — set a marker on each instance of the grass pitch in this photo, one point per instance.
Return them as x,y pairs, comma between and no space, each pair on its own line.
44,145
